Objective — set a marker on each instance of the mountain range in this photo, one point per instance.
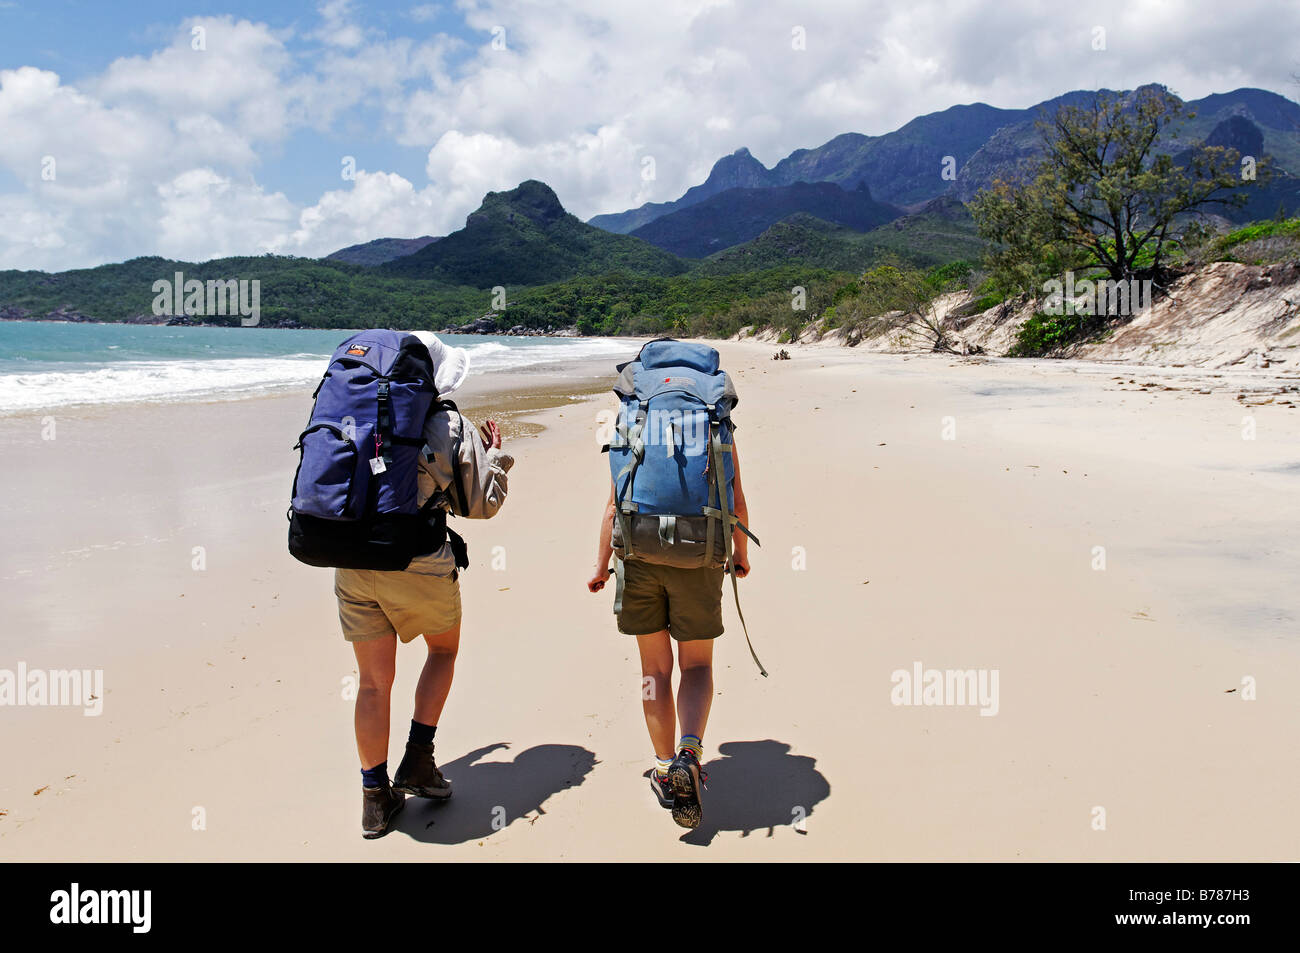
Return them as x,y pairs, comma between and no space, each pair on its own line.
906,167
855,181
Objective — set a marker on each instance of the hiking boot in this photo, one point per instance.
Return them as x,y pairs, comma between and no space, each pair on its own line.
662,788
418,776
686,779
378,808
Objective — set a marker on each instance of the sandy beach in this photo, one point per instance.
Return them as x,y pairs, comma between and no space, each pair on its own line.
1123,558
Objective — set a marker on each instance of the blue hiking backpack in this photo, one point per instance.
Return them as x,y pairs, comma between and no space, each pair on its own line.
671,462
356,488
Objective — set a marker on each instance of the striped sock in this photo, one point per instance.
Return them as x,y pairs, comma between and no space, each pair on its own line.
692,743
661,767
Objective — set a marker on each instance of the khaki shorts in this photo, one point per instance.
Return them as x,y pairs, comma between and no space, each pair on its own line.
686,602
375,604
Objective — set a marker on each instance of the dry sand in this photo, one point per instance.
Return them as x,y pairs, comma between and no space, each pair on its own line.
226,733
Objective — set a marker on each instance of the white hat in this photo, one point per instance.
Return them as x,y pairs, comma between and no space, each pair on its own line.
450,364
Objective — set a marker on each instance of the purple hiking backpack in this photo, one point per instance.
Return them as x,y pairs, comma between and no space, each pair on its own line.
356,489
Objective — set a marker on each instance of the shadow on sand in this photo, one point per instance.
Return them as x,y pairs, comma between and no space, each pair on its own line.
492,795
757,785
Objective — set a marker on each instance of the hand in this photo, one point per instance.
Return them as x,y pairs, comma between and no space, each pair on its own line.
597,580
741,565
491,435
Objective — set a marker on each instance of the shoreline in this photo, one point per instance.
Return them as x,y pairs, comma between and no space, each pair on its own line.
541,369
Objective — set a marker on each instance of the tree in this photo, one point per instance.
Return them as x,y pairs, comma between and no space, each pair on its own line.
905,301
1103,194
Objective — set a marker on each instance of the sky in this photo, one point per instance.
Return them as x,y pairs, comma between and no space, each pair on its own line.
204,129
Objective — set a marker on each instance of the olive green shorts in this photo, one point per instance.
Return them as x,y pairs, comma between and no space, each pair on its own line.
375,604
686,602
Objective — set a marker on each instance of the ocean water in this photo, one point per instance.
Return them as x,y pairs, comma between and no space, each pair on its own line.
49,364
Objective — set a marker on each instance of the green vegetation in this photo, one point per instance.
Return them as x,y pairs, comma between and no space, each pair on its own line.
1256,231
622,284
714,306
1045,333
332,295
312,293
1259,243
942,231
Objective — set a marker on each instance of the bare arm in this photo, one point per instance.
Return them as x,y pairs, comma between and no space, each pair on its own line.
604,545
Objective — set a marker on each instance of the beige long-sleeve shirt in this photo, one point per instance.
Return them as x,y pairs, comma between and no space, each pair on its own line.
482,473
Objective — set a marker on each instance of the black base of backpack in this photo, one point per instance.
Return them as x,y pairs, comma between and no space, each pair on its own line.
386,543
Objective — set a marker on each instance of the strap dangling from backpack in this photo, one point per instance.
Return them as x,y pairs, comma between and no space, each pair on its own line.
618,584
720,481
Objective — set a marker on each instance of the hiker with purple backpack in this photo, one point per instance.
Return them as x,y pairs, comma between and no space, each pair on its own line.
386,457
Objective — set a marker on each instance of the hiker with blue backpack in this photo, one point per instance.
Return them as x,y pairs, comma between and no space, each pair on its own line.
385,458
676,521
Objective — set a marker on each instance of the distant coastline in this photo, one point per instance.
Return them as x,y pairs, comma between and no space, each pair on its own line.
73,316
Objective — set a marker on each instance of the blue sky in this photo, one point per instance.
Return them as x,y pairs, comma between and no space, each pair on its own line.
120,138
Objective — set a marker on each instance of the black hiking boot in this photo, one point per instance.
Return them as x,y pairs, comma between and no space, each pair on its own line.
662,788
378,808
687,780
419,776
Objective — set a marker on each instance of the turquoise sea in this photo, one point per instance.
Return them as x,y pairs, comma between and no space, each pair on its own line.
51,364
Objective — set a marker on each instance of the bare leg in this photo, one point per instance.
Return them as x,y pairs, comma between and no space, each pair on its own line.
657,691
695,693
377,663
435,678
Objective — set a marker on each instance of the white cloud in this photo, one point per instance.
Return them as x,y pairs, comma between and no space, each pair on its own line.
207,215
238,77
339,29
378,204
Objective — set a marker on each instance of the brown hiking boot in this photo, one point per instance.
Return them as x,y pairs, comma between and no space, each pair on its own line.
418,776
378,808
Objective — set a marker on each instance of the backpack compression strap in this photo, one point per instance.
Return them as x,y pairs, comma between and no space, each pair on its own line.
716,450
621,509
637,447
384,424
